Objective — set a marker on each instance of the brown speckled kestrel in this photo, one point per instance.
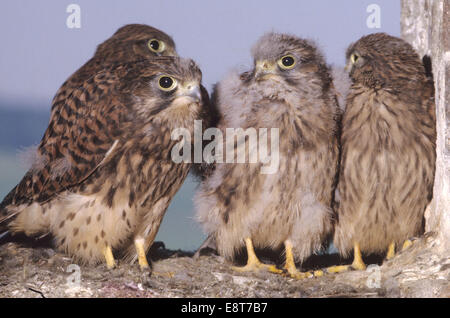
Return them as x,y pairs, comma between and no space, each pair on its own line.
388,148
104,177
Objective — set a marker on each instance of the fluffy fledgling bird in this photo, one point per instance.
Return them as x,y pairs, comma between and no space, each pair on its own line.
104,175
388,148
290,89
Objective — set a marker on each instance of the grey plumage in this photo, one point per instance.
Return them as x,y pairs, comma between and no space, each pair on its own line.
342,83
236,201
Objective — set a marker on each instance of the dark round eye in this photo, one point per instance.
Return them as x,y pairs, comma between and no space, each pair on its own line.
156,45
166,83
286,62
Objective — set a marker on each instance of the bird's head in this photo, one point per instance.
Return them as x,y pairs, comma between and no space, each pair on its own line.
170,87
285,58
134,42
379,60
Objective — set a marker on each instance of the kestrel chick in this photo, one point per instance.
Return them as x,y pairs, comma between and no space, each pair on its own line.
105,181
131,42
289,89
388,148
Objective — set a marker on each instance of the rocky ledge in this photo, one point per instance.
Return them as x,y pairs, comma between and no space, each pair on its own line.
39,271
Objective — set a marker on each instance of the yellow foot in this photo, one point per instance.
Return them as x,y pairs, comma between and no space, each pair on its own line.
256,267
391,251
295,273
318,273
142,258
346,268
253,263
358,263
110,262
290,264
406,244
338,268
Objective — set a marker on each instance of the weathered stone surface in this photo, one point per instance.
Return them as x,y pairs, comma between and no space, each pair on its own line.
33,272
426,25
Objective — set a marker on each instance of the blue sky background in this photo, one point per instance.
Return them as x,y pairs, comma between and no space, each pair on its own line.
38,53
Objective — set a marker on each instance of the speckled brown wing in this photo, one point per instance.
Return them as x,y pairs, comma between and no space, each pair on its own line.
77,140
77,79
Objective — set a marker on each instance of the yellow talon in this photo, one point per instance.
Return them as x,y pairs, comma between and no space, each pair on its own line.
273,269
406,244
391,251
253,263
318,273
140,250
110,262
338,268
357,264
290,264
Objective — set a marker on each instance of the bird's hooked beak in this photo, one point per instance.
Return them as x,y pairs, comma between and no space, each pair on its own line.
263,69
192,90
348,66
